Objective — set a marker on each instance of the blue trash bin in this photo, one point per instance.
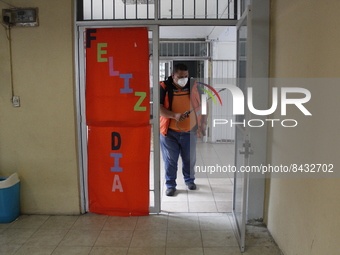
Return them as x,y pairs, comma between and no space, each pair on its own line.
9,198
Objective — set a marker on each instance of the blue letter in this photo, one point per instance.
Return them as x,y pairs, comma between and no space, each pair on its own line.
126,77
116,167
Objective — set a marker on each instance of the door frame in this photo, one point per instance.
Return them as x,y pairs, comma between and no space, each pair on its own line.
80,89
242,178
81,114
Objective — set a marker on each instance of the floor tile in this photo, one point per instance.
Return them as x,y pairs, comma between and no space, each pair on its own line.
180,195
120,223
9,249
47,237
154,222
223,197
35,250
215,223
5,225
72,250
29,221
213,214
177,206
16,236
115,238
147,250
202,206
196,196
220,181
224,251
218,238
184,238
150,238
263,250
90,221
184,251
224,207
183,223
221,188
59,222
80,238
108,251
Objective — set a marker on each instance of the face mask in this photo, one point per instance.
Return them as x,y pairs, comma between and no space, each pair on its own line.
182,82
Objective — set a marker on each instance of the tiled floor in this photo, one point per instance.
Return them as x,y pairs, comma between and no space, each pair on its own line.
163,234
192,222
214,189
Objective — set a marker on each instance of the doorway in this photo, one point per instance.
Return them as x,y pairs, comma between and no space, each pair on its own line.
208,61
159,17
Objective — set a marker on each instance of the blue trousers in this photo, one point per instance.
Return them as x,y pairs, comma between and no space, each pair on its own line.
173,145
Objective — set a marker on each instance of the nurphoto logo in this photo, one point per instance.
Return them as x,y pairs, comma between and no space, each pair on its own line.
239,105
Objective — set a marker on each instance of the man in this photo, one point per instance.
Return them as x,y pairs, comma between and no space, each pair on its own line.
180,124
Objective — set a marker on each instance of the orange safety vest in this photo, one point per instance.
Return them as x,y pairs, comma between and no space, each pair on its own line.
196,104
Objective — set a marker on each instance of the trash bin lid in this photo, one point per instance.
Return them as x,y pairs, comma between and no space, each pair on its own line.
10,181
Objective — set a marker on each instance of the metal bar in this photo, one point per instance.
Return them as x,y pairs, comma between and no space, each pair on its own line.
182,9
172,9
157,10
91,9
217,9
80,10
125,9
161,22
229,4
195,43
147,9
103,9
194,9
229,7
155,50
114,9
136,11
235,9
206,9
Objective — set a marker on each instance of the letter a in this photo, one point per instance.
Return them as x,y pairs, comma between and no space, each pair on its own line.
117,184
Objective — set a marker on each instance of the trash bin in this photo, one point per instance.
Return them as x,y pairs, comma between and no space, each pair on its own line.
9,198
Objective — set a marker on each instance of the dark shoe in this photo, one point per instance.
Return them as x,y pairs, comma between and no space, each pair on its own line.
170,192
191,185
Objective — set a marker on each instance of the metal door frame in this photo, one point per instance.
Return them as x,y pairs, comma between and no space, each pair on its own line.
79,57
82,134
240,227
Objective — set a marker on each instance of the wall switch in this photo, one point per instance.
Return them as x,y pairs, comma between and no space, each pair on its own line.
16,101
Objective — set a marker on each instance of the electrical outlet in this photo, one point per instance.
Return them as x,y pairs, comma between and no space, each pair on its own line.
23,17
16,101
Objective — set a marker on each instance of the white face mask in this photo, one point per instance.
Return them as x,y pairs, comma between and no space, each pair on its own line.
182,82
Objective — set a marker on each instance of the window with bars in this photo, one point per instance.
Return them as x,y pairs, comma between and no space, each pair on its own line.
184,49
145,9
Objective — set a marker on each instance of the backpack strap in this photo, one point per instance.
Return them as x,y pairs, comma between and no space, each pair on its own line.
169,90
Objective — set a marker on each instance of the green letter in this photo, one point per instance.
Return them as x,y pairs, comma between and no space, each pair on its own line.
101,52
140,101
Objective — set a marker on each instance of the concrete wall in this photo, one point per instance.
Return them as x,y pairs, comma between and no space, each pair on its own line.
303,214
38,139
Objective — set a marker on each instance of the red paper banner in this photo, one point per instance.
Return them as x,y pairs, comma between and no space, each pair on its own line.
118,115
